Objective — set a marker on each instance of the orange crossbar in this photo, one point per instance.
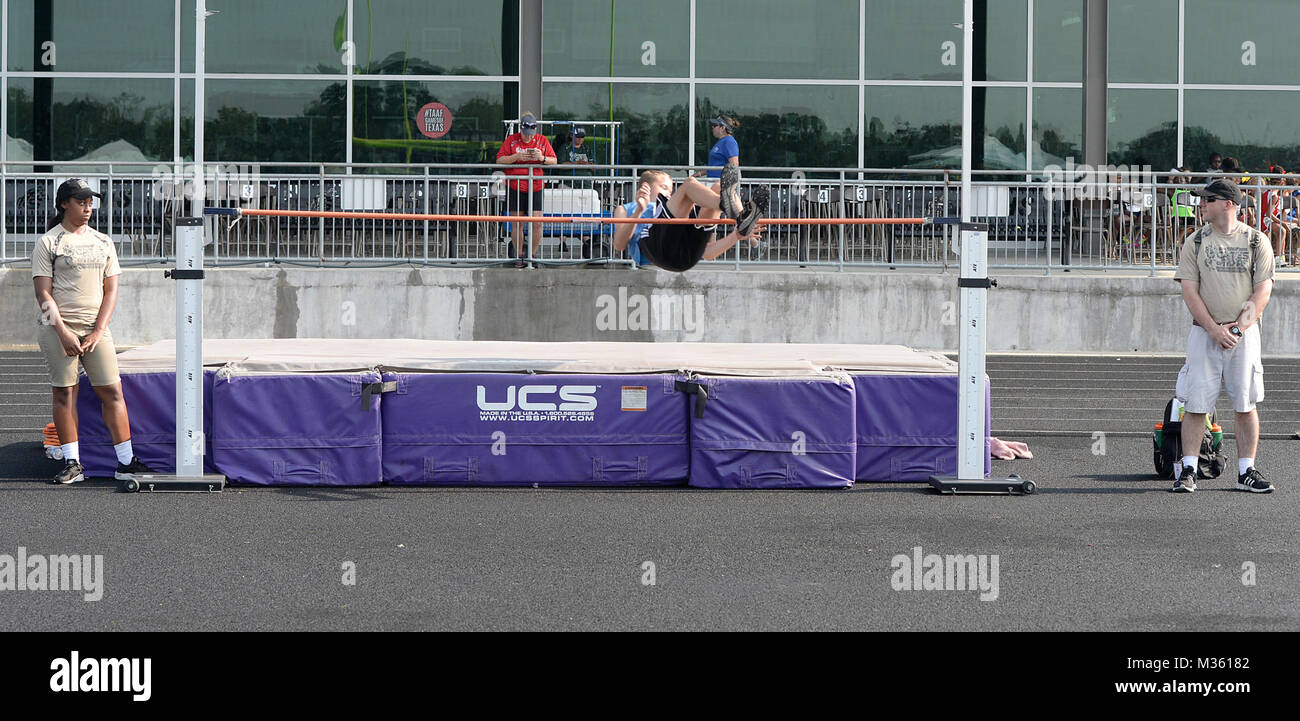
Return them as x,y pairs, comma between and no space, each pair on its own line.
579,220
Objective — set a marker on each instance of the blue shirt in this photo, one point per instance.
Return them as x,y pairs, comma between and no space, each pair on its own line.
722,151
639,231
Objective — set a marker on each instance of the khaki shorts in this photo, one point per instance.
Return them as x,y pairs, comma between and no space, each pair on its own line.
1210,368
100,364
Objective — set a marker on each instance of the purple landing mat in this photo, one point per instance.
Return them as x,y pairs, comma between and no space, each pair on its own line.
774,433
507,429
151,409
296,430
907,426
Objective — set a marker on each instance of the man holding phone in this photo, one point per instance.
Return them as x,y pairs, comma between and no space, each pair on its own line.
1226,272
520,150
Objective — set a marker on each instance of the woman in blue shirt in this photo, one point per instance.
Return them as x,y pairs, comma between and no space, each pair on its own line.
726,151
723,153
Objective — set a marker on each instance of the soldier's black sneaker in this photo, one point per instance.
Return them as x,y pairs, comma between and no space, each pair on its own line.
1252,481
757,208
1186,482
728,197
71,473
131,470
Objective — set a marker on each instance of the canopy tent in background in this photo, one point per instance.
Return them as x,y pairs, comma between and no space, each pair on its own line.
996,157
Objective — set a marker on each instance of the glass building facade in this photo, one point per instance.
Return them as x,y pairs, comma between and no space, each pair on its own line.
824,83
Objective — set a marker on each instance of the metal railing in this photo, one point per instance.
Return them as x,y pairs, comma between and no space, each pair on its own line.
1034,221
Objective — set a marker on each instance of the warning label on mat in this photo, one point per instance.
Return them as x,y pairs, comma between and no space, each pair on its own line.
634,398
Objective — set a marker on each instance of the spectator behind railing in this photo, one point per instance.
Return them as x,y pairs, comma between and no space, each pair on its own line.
1216,163
1182,206
1130,222
1274,223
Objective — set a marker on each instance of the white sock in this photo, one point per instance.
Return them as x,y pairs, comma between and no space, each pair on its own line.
71,452
1244,464
1190,461
123,451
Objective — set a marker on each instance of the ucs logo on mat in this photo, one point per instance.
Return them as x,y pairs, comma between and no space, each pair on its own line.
537,403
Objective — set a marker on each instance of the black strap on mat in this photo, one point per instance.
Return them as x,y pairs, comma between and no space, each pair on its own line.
701,394
370,389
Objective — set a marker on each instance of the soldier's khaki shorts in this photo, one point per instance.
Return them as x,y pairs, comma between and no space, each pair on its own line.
100,364
1210,369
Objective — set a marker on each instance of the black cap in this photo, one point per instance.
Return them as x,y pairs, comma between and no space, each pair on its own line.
579,133
1221,190
75,188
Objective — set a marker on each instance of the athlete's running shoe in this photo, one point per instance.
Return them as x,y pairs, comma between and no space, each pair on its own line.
757,208
128,471
1252,481
728,198
1186,482
71,473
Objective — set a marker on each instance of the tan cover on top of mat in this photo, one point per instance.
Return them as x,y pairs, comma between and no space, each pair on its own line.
290,355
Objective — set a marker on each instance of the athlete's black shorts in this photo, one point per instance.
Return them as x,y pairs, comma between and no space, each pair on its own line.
675,247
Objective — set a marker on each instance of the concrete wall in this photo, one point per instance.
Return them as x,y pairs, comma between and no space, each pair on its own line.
1057,313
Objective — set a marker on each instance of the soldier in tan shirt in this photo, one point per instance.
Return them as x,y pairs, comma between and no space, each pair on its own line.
75,274
1226,272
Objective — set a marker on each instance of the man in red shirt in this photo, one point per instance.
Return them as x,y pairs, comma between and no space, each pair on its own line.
525,148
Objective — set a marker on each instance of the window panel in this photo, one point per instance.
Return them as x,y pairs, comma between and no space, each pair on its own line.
1007,33
647,40
92,118
274,120
776,39
439,37
1058,40
92,35
1252,43
1142,41
1142,128
782,125
654,117
1255,127
247,36
384,117
1058,126
908,40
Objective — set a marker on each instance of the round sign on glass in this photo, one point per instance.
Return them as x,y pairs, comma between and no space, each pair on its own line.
433,120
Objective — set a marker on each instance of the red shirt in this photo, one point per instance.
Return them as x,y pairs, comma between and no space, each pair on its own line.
515,143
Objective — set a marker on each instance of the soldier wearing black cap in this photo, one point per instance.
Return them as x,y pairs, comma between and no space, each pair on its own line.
75,273
1226,272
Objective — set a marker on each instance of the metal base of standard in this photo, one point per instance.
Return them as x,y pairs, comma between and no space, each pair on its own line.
1011,485
166,483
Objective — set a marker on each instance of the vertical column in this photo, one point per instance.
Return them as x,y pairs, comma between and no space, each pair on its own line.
530,57
42,87
1094,82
